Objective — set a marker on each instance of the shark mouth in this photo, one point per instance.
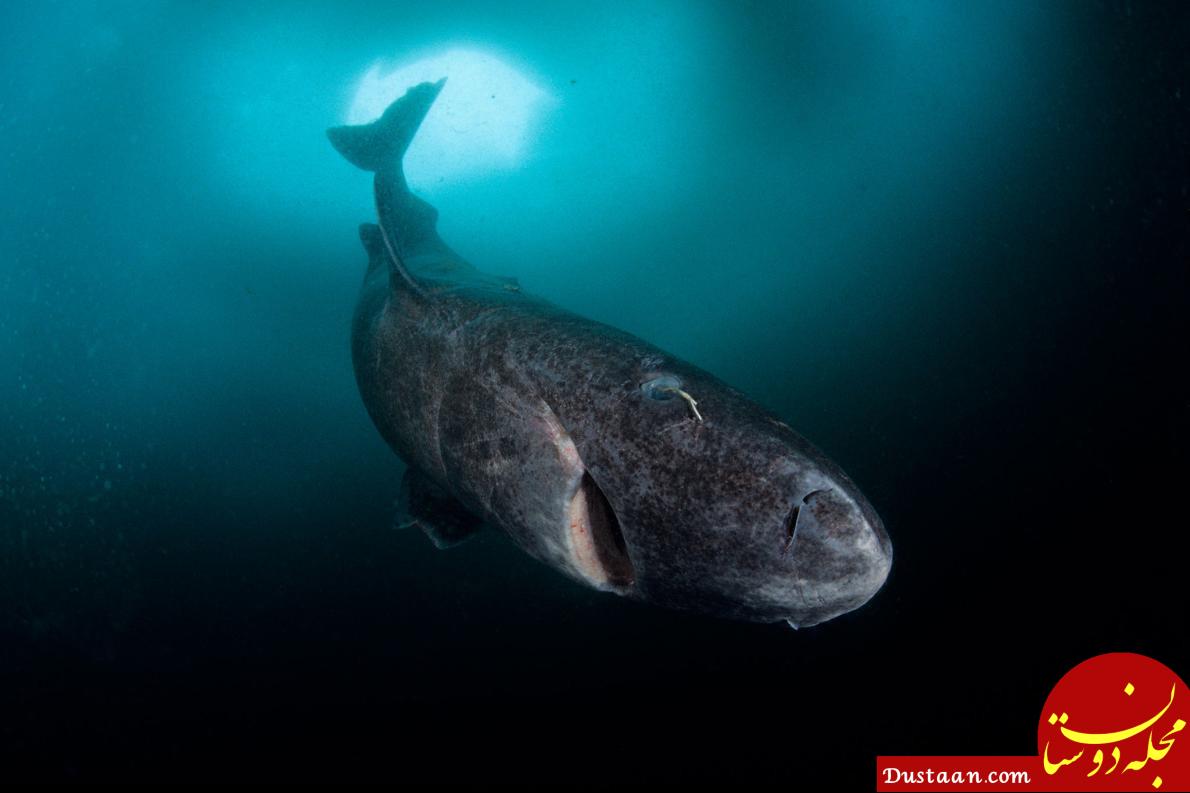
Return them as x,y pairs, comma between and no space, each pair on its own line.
591,545
597,546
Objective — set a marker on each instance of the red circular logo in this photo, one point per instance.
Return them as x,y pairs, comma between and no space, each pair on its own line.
1112,722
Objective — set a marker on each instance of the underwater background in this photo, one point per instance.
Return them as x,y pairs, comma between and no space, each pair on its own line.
947,242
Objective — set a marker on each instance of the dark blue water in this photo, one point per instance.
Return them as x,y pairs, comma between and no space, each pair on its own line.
947,242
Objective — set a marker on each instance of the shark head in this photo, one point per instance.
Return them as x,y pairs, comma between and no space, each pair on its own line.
696,498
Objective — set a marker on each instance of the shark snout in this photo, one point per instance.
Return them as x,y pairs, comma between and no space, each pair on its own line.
839,551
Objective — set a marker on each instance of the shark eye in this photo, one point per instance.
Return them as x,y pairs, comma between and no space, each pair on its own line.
666,387
662,388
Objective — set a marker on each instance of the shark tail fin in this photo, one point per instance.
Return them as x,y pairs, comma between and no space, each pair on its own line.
407,224
382,144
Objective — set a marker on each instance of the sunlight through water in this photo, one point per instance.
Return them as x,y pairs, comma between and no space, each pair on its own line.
484,120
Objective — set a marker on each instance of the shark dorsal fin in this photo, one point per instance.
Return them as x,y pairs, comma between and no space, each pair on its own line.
373,242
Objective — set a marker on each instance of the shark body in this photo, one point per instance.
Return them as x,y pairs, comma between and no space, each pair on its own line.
618,464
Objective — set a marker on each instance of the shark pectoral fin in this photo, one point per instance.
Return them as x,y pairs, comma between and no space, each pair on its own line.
426,504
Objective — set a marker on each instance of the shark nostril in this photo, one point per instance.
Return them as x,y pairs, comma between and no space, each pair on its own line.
791,528
810,495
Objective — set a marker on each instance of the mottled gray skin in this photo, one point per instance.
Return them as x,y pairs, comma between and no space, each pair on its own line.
505,401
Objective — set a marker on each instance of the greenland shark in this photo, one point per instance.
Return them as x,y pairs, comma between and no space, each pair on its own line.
610,460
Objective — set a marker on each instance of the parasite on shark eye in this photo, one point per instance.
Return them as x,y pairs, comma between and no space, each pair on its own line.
667,387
